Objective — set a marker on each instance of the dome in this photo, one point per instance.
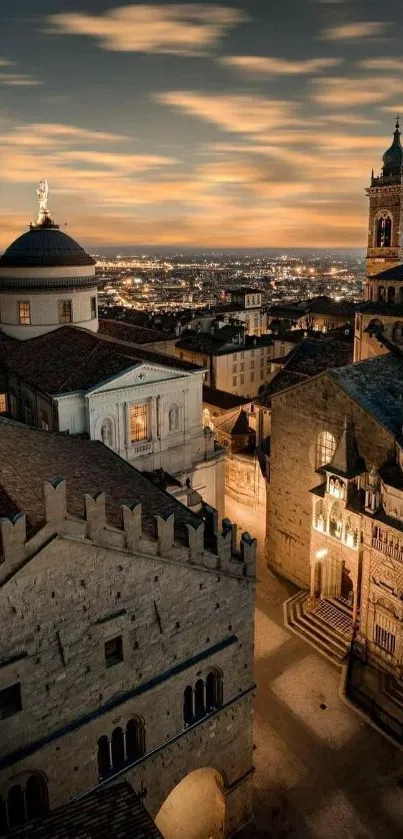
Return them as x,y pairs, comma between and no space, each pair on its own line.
44,246
393,157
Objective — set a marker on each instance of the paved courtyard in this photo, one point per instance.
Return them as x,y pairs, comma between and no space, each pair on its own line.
321,772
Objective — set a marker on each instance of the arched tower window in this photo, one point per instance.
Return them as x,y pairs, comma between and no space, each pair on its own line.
375,326
383,231
135,738
214,690
325,448
103,756
16,806
199,699
117,748
188,705
36,797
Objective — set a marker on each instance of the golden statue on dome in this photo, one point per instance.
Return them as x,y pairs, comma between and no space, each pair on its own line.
44,219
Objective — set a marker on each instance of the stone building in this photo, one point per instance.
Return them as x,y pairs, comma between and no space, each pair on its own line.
127,642
235,362
64,370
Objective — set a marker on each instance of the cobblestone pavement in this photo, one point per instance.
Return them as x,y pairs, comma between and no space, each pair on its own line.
321,772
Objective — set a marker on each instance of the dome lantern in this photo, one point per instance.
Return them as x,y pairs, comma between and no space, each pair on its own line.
393,157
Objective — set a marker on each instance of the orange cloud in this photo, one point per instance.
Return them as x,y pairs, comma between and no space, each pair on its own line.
259,65
236,113
355,31
345,92
179,29
390,65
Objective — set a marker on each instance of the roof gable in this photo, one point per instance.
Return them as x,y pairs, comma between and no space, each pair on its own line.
137,375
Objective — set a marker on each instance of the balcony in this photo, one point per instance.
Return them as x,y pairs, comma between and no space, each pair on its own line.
388,550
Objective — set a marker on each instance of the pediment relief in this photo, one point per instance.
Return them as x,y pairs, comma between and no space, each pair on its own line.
136,376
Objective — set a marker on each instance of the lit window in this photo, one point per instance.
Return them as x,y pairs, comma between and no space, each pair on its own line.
3,403
24,313
93,307
138,423
65,311
325,448
114,651
10,701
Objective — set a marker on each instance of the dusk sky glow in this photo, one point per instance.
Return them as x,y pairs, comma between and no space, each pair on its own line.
250,123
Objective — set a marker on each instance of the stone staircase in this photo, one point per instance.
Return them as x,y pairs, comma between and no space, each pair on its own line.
327,627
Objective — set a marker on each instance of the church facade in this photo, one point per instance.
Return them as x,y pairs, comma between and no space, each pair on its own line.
61,372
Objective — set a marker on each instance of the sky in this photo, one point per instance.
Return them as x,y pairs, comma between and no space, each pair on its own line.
247,123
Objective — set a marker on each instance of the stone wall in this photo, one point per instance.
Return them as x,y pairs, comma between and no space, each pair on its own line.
179,610
298,416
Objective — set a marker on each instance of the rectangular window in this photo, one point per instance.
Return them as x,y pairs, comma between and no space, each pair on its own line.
10,701
252,364
252,377
114,651
243,366
262,351
384,639
93,307
138,423
24,313
234,368
3,403
234,378
65,311
242,379
252,352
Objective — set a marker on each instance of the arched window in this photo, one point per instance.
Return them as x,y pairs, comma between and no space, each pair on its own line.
16,806
391,294
117,748
188,705
325,448
375,325
383,231
214,690
336,520
199,699
135,739
104,764
173,418
36,797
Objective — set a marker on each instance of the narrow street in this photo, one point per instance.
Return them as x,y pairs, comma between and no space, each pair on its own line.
321,772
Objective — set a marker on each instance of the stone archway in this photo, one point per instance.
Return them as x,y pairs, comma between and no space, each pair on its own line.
195,809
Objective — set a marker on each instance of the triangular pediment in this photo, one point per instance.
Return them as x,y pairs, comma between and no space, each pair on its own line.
136,376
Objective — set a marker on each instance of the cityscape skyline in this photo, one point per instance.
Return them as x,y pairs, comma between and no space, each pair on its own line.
197,125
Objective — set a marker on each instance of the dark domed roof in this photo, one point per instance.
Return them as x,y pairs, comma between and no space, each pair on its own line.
393,157
44,246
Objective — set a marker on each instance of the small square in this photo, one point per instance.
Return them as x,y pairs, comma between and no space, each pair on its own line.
114,651
10,701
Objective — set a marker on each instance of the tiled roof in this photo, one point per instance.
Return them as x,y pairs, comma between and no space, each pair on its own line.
28,458
377,385
222,399
325,305
281,381
70,359
114,811
234,422
395,273
130,332
378,309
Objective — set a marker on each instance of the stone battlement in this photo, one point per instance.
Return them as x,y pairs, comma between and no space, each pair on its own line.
205,544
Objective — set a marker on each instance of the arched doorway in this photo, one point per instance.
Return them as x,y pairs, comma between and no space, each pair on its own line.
195,809
346,584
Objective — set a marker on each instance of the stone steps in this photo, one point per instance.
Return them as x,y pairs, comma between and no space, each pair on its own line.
324,637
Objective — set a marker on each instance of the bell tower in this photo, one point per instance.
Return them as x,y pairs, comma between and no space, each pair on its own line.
385,229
